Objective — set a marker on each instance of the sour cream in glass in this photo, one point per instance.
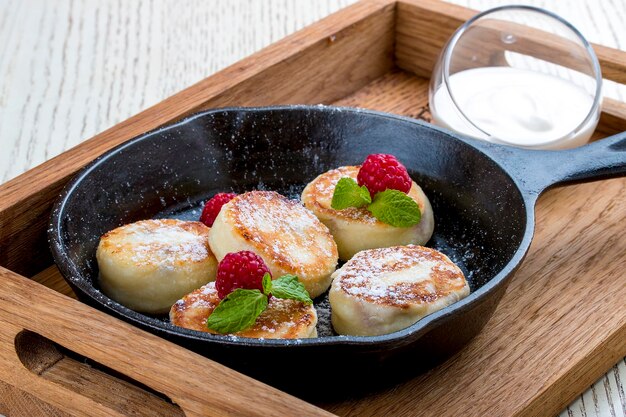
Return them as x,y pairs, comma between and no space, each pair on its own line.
516,107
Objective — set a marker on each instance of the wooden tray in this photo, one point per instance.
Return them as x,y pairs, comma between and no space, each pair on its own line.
560,326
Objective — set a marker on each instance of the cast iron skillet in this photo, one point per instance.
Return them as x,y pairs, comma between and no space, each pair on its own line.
483,197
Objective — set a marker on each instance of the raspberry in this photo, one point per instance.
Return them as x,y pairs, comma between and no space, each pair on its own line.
213,206
380,172
242,269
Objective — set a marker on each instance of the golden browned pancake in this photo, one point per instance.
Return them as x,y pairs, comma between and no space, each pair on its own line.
289,238
149,264
283,319
355,229
383,290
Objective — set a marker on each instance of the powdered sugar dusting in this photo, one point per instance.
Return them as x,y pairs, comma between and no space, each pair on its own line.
320,192
166,242
399,275
284,230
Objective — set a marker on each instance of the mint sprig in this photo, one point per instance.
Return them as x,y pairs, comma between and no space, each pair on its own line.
237,311
395,208
390,206
240,309
349,194
289,287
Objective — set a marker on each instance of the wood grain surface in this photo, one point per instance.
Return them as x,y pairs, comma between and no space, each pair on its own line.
83,66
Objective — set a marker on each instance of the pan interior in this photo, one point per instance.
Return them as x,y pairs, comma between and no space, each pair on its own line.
480,215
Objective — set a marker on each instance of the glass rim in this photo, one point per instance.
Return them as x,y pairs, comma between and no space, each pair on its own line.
451,44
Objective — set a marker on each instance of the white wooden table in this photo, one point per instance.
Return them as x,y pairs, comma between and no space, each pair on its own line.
70,69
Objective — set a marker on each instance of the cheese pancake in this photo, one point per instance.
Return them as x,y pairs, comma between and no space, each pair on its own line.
283,319
289,238
356,229
148,265
383,290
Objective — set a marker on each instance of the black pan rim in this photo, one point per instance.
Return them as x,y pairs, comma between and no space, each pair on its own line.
68,269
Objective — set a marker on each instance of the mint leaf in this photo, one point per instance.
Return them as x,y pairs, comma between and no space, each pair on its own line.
267,284
348,194
237,311
289,287
395,208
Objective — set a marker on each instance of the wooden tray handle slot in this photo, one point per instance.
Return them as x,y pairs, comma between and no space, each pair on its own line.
44,346
75,372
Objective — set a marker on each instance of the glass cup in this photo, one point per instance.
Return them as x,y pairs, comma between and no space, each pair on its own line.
521,76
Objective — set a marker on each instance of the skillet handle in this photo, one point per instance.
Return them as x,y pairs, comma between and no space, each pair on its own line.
536,171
